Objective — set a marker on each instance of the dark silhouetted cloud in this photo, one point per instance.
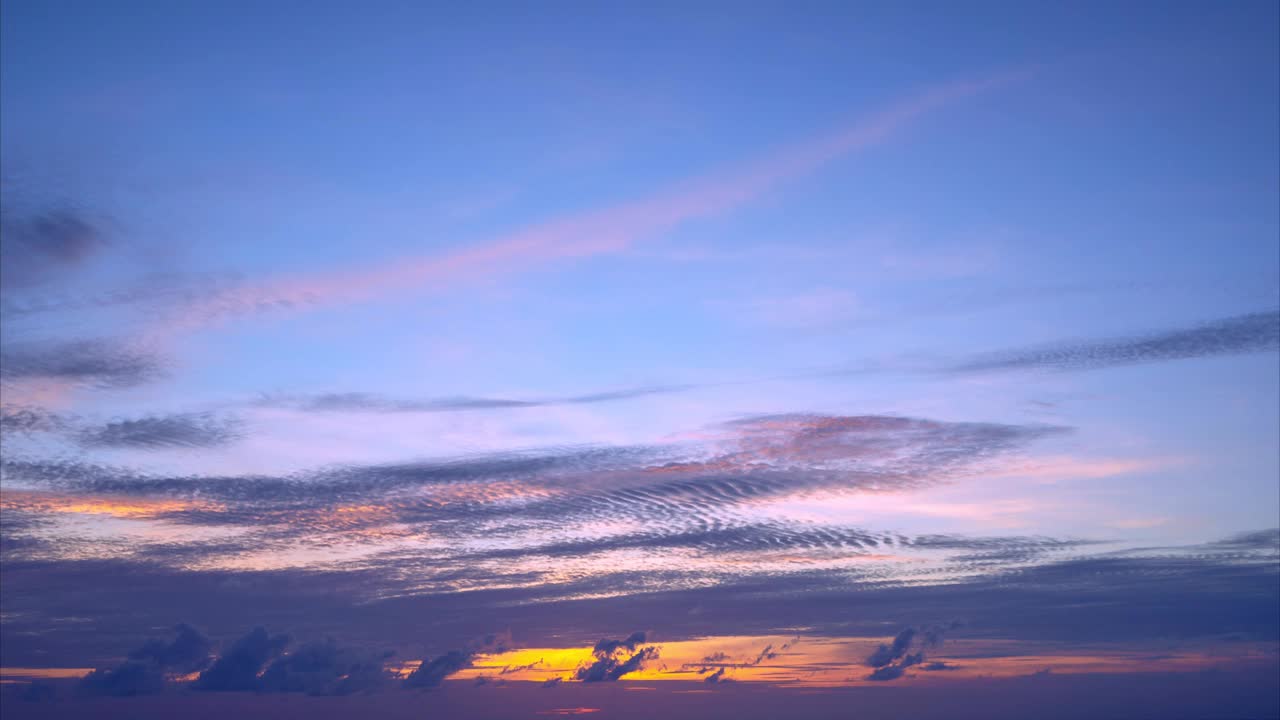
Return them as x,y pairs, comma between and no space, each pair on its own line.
145,670
324,668
238,668
611,662
892,660
125,680
886,654
187,653
716,677
433,671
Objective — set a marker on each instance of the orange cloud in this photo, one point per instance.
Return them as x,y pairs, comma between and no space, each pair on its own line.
126,509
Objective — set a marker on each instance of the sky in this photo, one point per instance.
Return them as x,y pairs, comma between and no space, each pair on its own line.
597,358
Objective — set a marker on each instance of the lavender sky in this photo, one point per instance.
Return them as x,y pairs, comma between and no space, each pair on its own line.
833,345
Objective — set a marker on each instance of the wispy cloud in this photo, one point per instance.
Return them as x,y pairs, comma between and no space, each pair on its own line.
1254,332
99,363
192,430
590,233
374,403
38,247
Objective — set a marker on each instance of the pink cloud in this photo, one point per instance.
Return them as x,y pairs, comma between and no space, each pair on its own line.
591,233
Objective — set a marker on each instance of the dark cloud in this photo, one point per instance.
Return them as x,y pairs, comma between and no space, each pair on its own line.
36,248
187,653
145,671
238,668
607,669
897,669
324,668
892,660
716,677
886,654
190,430
609,647
30,419
615,658
1260,541
433,671
1192,593
1254,332
100,363
125,680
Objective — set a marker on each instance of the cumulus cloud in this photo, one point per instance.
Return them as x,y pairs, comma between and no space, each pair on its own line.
147,667
615,658
433,671
238,668
886,654
324,668
186,653
892,660
125,680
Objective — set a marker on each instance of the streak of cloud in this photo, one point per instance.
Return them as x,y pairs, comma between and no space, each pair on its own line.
591,233
1250,333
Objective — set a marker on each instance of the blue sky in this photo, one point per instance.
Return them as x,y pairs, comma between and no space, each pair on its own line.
317,240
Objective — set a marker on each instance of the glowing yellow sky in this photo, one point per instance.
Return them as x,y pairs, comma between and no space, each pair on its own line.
831,661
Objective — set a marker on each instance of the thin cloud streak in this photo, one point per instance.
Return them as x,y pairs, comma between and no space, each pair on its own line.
1241,334
606,231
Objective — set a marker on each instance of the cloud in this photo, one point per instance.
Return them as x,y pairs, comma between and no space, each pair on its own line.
145,670
125,680
692,496
187,653
239,667
896,670
433,671
608,647
886,654
324,668
38,247
1149,595
590,233
615,658
190,430
1250,333
30,419
892,660
374,403
99,363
